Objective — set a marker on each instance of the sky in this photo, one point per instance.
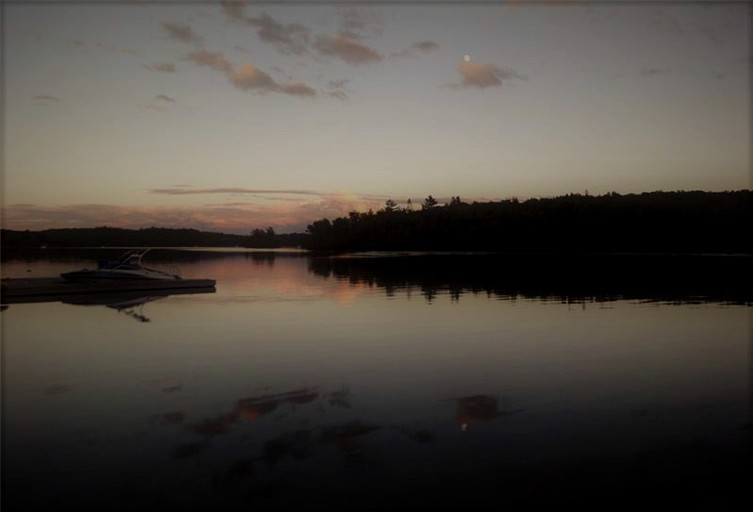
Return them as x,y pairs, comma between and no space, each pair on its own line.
228,116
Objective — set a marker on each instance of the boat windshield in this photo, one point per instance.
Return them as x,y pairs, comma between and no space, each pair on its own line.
131,260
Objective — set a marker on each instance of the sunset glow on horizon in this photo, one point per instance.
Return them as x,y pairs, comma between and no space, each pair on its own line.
234,115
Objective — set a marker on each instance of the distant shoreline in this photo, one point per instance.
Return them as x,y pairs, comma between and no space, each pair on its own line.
693,222
10,253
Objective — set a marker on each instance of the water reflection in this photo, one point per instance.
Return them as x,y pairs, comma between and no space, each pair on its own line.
266,461
564,278
480,408
132,307
130,304
252,409
323,380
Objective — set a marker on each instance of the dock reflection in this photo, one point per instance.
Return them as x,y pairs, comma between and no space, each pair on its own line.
132,307
128,303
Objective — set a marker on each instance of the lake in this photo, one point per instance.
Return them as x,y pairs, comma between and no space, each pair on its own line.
382,381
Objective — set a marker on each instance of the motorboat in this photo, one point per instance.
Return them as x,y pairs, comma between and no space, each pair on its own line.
126,268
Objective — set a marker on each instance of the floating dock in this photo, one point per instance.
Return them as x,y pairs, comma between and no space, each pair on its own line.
41,289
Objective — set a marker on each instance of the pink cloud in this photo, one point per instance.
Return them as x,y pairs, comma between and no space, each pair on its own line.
164,67
251,77
238,217
248,76
298,89
483,75
214,60
347,49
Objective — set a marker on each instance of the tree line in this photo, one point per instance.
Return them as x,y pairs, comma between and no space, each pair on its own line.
689,222
147,237
665,222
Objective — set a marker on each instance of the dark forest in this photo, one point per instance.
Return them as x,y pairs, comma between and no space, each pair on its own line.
655,222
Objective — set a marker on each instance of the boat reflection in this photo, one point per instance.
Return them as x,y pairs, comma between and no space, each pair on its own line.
132,307
128,303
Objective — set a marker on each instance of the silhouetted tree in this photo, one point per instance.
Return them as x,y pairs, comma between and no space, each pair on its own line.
263,238
649,222
428,203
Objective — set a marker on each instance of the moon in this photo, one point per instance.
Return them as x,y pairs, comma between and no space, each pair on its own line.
467,58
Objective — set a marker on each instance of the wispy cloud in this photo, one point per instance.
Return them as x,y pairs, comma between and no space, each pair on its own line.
295,38
80,43
178,191
237,217
234,9
248,76
291,38
338,94
214,60
182,33
425,46
45,99
210,218
483,75
299,89
347,49
287,38
337,204
128,51
337,84
337,89
417,49
163,67
357,24
151,106
311,204
655,71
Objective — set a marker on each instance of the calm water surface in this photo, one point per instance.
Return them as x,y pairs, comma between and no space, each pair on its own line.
366,383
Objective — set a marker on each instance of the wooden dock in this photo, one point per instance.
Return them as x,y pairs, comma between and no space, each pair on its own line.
41,289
